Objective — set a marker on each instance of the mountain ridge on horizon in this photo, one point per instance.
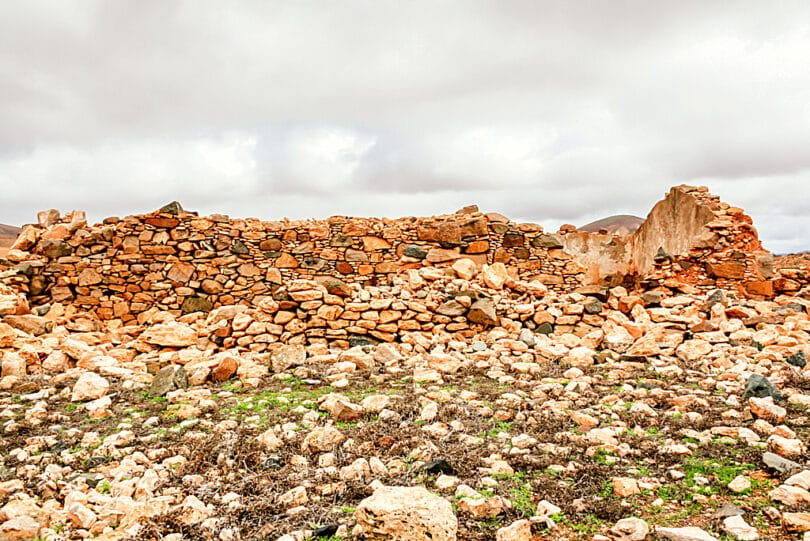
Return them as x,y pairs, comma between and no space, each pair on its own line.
618,224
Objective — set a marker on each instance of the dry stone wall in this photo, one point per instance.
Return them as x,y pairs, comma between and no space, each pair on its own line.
172,260
175,260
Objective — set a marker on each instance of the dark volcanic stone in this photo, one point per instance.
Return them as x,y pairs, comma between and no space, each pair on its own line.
26,269
652,298
337,287
92,479
780,464
325,531
438,466
238,248
760,387
715,297
594,307
172,208
600,293
94,461
798,359
547,241
415,251
340,241
361,341
42,309
38,285
169,378
661,255
790,307
272,462
513,240
54,248
544,328
728,510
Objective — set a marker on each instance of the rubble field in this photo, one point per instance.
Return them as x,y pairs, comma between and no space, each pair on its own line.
680,416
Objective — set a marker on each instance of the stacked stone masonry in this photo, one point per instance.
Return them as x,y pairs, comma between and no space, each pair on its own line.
342,277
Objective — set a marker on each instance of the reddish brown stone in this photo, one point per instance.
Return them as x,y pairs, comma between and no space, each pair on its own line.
157,250
212,287
731,269
786,284
760,287
501,256
477,227
270,245
383,336
447,232
387,267
120,309
89,277
439,255
160,221
512,240
180,272
273,276
226,368
478,259
354,229
344,268
249,270
521,253
477,247
356,255
287,261
371,244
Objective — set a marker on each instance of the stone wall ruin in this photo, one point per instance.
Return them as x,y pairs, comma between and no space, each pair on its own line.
176,261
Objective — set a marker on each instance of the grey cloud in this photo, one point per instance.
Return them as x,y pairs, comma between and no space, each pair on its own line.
549,111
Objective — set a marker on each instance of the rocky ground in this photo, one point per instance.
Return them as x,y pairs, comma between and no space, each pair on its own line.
684,416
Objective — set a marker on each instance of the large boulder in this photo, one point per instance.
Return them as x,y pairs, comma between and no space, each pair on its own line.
89,386
174,335
406,514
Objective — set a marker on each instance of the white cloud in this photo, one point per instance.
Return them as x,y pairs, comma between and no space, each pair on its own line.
125,175
543,110
490,156
325,157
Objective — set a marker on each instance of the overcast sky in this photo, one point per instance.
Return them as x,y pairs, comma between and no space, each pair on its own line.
550,112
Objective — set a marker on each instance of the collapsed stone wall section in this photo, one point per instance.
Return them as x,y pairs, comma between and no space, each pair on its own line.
693,239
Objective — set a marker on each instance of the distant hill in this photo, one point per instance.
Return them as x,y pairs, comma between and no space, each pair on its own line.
621,224
8,234
792,261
